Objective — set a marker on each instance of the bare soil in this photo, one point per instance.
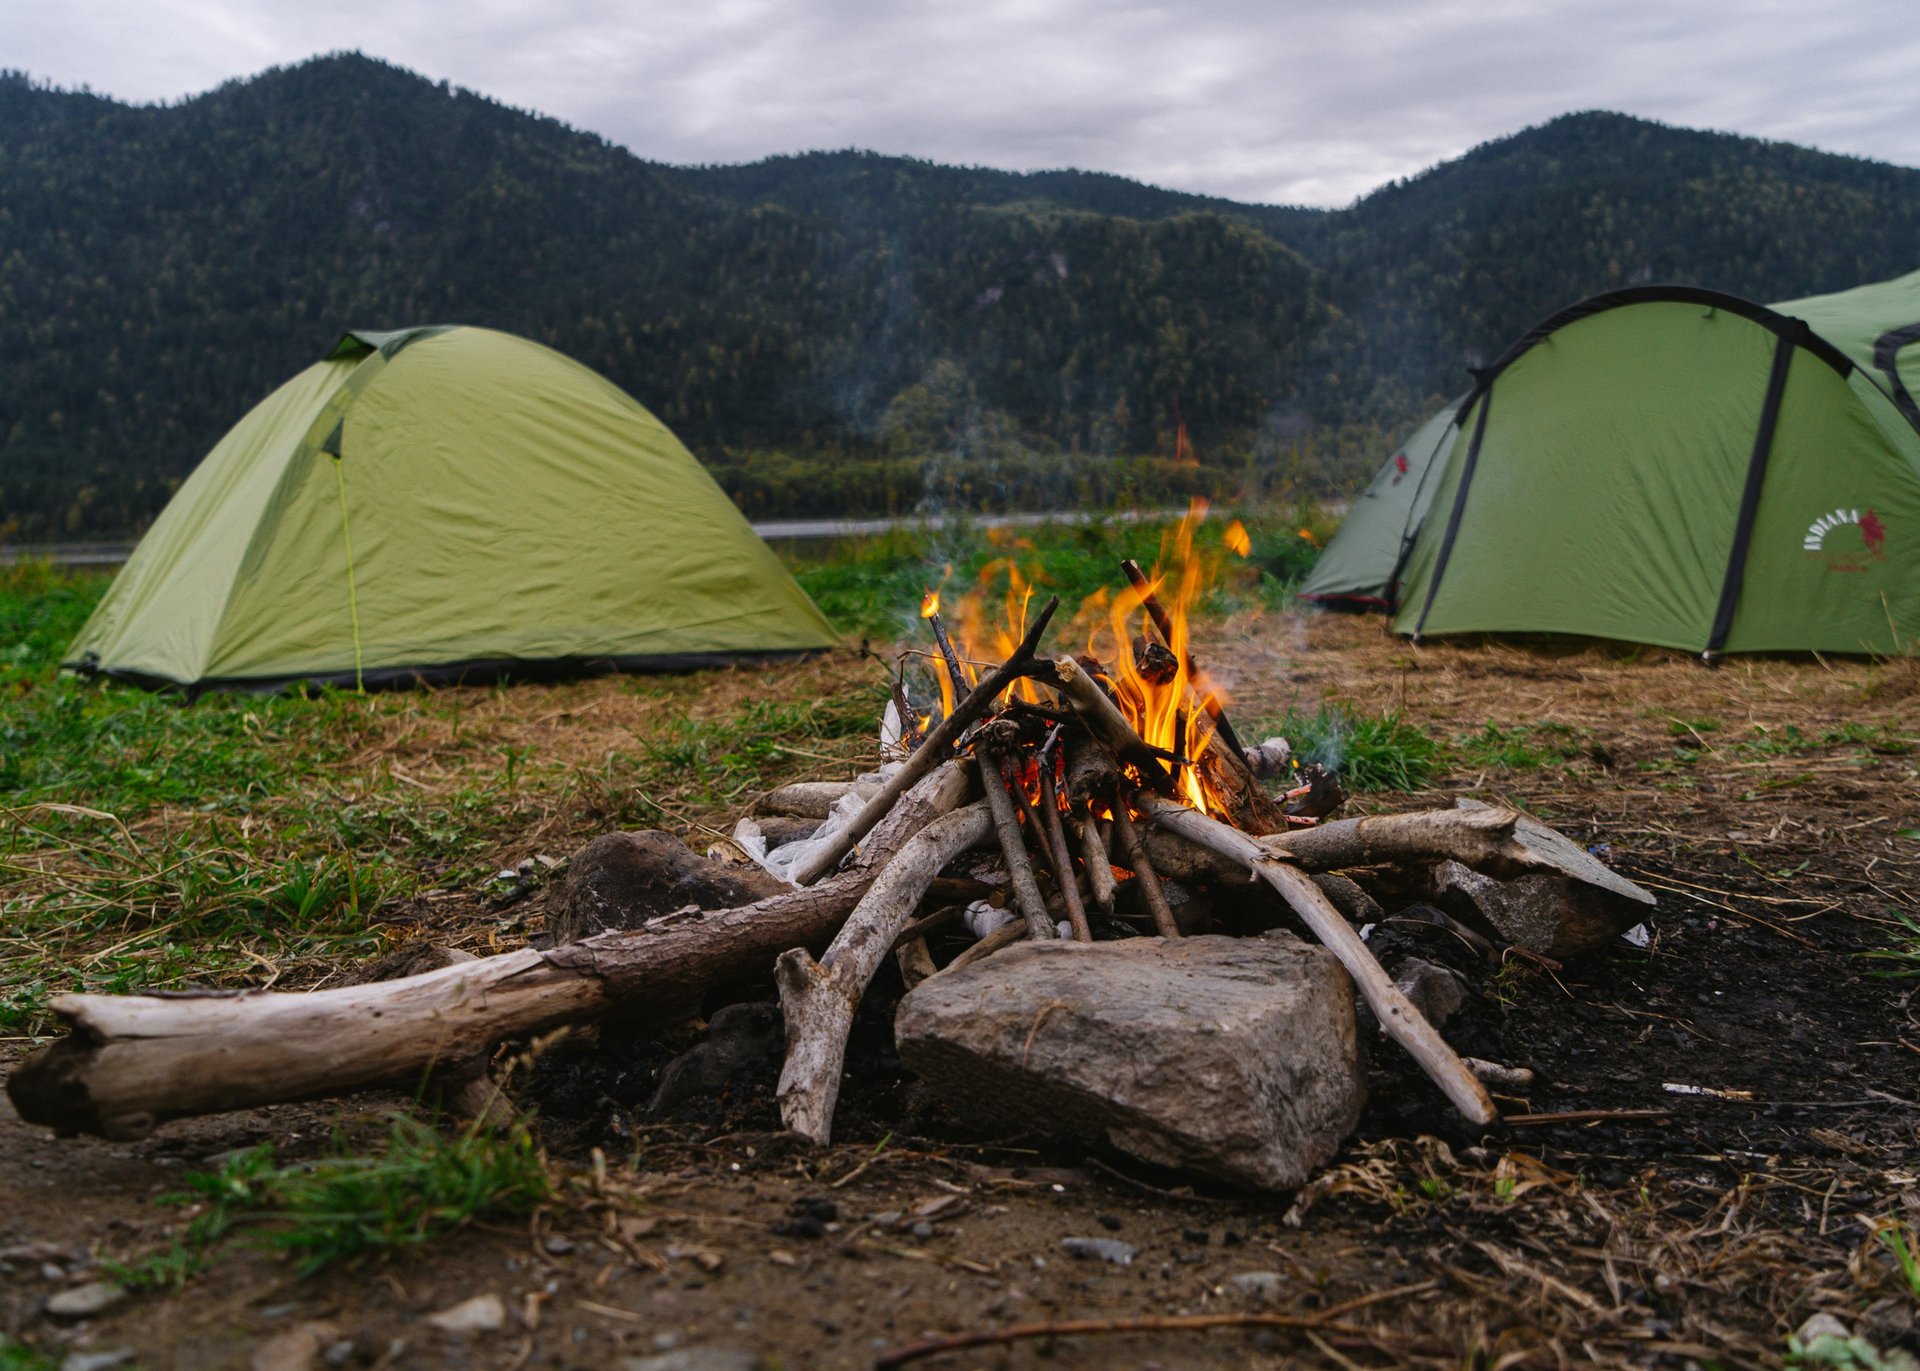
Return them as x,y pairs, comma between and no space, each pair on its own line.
1665,1227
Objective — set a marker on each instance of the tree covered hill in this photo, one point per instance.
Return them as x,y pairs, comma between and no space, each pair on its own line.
820,326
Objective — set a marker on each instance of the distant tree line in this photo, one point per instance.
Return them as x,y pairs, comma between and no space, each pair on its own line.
834,332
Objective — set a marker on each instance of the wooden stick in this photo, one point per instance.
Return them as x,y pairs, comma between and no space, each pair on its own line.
915,962
1202,686
1099,864
1013,847
1006,935
1056,839
948,655
1397,1015
819,998
930,753
1143,872
134,1061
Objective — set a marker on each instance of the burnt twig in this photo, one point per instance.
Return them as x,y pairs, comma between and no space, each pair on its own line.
930,753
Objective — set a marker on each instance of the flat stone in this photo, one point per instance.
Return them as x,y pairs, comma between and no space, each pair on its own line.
84,1301
1438,992
1259,1285
96,1361
1234,1057
1579,909
481,1314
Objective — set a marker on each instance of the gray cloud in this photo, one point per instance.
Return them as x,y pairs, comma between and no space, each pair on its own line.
1304,102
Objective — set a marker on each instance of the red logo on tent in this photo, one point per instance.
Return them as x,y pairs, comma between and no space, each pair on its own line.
1399,467
1874,532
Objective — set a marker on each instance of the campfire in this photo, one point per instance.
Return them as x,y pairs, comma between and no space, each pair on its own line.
1028,795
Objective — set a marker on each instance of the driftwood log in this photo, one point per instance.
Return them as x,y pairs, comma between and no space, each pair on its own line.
134,1061
819,998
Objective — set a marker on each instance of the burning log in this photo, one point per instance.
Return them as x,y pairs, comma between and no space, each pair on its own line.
930,753
1209,698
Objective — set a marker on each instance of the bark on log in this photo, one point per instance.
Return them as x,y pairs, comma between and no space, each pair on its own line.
1401,1021
931,752
819,998
132,1062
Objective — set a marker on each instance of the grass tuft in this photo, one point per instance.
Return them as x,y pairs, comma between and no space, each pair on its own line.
1367,751
421,1185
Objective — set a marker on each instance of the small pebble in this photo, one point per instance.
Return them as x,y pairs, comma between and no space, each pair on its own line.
923,1229
481,1314
558,1244
1100,1249
1258,1284
1822,1326
339,1353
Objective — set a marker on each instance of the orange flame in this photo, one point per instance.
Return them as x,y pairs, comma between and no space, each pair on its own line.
1237,540
929,604
988,622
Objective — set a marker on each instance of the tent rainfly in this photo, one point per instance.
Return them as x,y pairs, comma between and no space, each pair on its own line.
439,504
1664,465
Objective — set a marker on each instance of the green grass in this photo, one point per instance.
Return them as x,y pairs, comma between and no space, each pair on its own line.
1367,751
419,1185
19,1357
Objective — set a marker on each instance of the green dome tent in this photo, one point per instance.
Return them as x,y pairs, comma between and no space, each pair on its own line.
1356,569
1673,466
435,504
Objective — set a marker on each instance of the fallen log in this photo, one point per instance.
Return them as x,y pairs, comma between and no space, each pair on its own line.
135,1061
1401,1021
819,998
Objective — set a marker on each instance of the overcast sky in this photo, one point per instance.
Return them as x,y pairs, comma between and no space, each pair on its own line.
1295,101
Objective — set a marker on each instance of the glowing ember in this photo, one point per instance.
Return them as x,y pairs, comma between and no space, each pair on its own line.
929,604
1237,540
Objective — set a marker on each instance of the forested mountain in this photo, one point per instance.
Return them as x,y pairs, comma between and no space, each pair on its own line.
831,331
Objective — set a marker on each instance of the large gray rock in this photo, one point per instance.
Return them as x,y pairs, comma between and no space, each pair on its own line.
1236,1057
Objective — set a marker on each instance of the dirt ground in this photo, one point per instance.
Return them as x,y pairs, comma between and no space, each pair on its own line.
1764,802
